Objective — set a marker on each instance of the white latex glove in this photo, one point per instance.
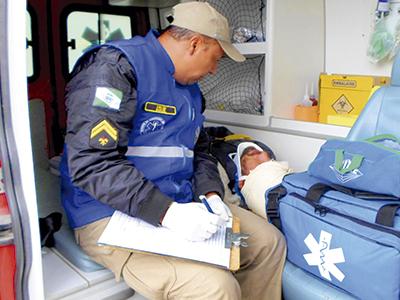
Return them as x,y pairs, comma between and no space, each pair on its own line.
192,221
219,207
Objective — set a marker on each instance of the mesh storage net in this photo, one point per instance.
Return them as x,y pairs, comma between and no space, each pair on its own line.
237,86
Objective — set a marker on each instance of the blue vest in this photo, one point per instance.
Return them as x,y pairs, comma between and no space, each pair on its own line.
165,130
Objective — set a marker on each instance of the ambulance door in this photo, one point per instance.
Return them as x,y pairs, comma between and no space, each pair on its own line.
20,256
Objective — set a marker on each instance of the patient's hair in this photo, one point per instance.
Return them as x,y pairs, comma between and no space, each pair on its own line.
251,157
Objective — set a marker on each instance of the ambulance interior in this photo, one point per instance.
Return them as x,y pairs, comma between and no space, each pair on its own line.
288,44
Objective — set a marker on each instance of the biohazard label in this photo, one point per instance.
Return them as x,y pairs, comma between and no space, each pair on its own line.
342,105
344,83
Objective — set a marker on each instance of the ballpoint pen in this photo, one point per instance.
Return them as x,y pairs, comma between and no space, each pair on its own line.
204,200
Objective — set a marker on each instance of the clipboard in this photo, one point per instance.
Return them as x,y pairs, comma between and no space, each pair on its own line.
126,232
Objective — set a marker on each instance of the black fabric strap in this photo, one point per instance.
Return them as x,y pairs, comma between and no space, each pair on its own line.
274,196
48,226
386,214
372,196
316,191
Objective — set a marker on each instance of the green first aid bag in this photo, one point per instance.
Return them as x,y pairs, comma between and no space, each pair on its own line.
371,165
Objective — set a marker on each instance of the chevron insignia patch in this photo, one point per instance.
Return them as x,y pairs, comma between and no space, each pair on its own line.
104,136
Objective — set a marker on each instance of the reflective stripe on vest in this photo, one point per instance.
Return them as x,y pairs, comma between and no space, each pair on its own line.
148,151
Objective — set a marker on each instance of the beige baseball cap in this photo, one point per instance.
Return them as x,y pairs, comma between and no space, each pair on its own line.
202,18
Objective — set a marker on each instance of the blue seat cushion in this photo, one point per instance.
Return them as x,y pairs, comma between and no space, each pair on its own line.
66,245
301,285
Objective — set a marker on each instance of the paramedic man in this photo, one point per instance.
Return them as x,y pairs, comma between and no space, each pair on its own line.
134,116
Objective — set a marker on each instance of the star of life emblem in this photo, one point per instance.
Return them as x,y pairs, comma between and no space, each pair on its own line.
322,256
347,176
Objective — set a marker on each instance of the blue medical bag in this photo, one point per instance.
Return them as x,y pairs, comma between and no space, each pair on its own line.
349,242
369,165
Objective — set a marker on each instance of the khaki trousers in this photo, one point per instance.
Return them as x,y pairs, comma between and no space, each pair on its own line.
161,277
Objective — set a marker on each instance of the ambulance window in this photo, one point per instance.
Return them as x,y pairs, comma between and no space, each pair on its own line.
98,29
29,51
31,44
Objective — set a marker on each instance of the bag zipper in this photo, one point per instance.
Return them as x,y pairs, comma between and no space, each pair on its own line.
323,211
371,199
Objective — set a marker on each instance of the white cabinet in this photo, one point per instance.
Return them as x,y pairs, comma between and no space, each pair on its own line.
252,48
293,55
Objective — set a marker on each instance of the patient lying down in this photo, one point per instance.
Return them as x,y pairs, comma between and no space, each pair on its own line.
257,172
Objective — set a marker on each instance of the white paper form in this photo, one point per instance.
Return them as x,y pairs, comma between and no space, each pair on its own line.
132,233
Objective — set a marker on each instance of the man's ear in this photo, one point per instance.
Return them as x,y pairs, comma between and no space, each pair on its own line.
194,43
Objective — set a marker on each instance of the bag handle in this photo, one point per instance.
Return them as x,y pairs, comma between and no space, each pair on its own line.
385,137
386,214
316,191
380,137
272,208
342,166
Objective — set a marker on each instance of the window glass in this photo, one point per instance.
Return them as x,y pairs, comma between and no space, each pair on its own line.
99,28
29,50
114,27
80,38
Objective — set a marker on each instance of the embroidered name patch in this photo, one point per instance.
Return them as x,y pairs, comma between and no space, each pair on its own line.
107,98
103,136
160,108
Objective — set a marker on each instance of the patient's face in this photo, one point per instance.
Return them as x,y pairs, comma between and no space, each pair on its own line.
251,158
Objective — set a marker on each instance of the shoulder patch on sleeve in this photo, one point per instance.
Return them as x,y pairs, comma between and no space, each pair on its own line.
106,97
103,135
